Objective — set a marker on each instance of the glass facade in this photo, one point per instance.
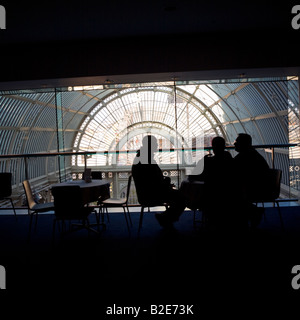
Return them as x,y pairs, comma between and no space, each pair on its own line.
106,124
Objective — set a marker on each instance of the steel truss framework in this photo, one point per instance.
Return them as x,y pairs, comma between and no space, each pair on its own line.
110,118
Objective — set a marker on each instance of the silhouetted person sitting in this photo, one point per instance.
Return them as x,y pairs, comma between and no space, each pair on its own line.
152,187
251,173
217,176
215,166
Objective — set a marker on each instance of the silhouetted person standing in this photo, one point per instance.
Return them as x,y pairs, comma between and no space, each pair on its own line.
251,172
152,187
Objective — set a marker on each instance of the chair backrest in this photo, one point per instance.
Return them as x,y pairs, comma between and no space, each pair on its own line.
5,184
269,189
86,175
145,194
68,202
275,182
28,194
128,188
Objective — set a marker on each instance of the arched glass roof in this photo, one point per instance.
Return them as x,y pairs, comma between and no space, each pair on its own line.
135,111
115,117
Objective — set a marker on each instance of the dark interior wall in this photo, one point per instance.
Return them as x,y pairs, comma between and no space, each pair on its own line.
253,36
144,55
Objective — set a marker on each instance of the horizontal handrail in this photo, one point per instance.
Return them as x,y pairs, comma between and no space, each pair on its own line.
271,148
45,154
86,153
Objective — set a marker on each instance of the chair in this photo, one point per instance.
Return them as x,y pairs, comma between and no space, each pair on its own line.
194,194
149,205
272,191
145,200
33,207
122,202
5,188
97,175
197,208
68,206
86,175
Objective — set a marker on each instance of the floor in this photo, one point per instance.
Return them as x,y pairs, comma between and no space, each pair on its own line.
187,265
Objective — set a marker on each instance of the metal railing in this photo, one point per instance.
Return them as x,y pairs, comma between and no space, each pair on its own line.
271,147
61,173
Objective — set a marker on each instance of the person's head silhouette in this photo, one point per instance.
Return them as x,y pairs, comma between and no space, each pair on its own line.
149,146
243,142
218,145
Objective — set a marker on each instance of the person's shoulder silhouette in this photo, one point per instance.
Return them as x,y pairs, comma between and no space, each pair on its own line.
248,158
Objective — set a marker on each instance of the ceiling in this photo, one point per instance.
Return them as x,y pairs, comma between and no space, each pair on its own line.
32,21
62,43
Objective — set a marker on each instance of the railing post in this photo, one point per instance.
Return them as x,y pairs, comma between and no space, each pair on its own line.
59,168
26,168
115,185
85,161
60,133
273,157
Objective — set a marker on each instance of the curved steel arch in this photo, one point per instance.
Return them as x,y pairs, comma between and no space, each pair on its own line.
262,94
80,113
158,127
136,129
207,109
250,115
119,94
228,105
160,89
